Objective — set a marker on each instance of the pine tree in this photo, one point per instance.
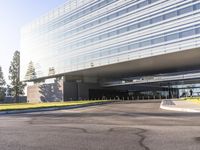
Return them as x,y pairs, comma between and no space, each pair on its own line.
30,74
17,87
2,85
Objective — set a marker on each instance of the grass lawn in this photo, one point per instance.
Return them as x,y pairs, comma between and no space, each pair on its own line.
193,99
25,106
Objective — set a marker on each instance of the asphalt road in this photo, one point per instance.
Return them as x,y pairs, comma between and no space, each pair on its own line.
127,126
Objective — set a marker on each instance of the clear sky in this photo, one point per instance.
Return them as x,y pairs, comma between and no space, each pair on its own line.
13,15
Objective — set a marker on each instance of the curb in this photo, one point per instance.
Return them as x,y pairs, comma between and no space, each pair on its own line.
178,109
75,106
52,109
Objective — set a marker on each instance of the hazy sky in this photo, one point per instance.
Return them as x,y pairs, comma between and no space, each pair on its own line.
13,15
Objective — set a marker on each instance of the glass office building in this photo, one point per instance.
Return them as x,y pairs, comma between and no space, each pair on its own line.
85,34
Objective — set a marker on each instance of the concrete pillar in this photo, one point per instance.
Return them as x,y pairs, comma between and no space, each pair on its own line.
70,91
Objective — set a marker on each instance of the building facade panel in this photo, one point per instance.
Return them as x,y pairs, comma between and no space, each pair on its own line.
102,32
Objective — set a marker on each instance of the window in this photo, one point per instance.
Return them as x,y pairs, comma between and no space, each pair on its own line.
100,37
89,25
113,51
98,55
92,23
92,8
73,46
113,33
91,40
79,15
172,36
122,12
73,17
83,13
132,27
87,11
144,23
198,30
134,46
77,44
81,28
96,22
95,7
81,59
103,19
112,16
108,1
73,60
145,43
102,3
152,1
132,8
88,41
87,57
95,38
99,21
104,36
124,48
185,10
157,19
197,6
158,40
170,15
187,33
85,26
122,30
95,55
142,4
105,52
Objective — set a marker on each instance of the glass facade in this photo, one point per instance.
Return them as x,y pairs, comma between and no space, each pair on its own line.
83,34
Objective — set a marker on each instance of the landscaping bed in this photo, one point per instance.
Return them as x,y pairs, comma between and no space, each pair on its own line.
193,99
27,106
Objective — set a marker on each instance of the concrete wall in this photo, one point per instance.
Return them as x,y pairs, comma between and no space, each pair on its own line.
70,91
83,89
78,91
59,91
51,92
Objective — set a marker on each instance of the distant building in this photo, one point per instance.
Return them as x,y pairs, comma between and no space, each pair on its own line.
8,91
88,43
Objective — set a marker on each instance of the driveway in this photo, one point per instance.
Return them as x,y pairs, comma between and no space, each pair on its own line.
123,126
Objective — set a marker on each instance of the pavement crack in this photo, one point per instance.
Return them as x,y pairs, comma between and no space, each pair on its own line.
197,139
140,134
81,129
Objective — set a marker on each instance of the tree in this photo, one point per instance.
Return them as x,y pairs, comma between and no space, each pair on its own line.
17,87
30,74
2,85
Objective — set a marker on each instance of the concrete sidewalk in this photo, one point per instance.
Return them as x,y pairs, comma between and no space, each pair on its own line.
180,105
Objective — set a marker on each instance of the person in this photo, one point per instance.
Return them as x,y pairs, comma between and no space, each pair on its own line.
191,93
